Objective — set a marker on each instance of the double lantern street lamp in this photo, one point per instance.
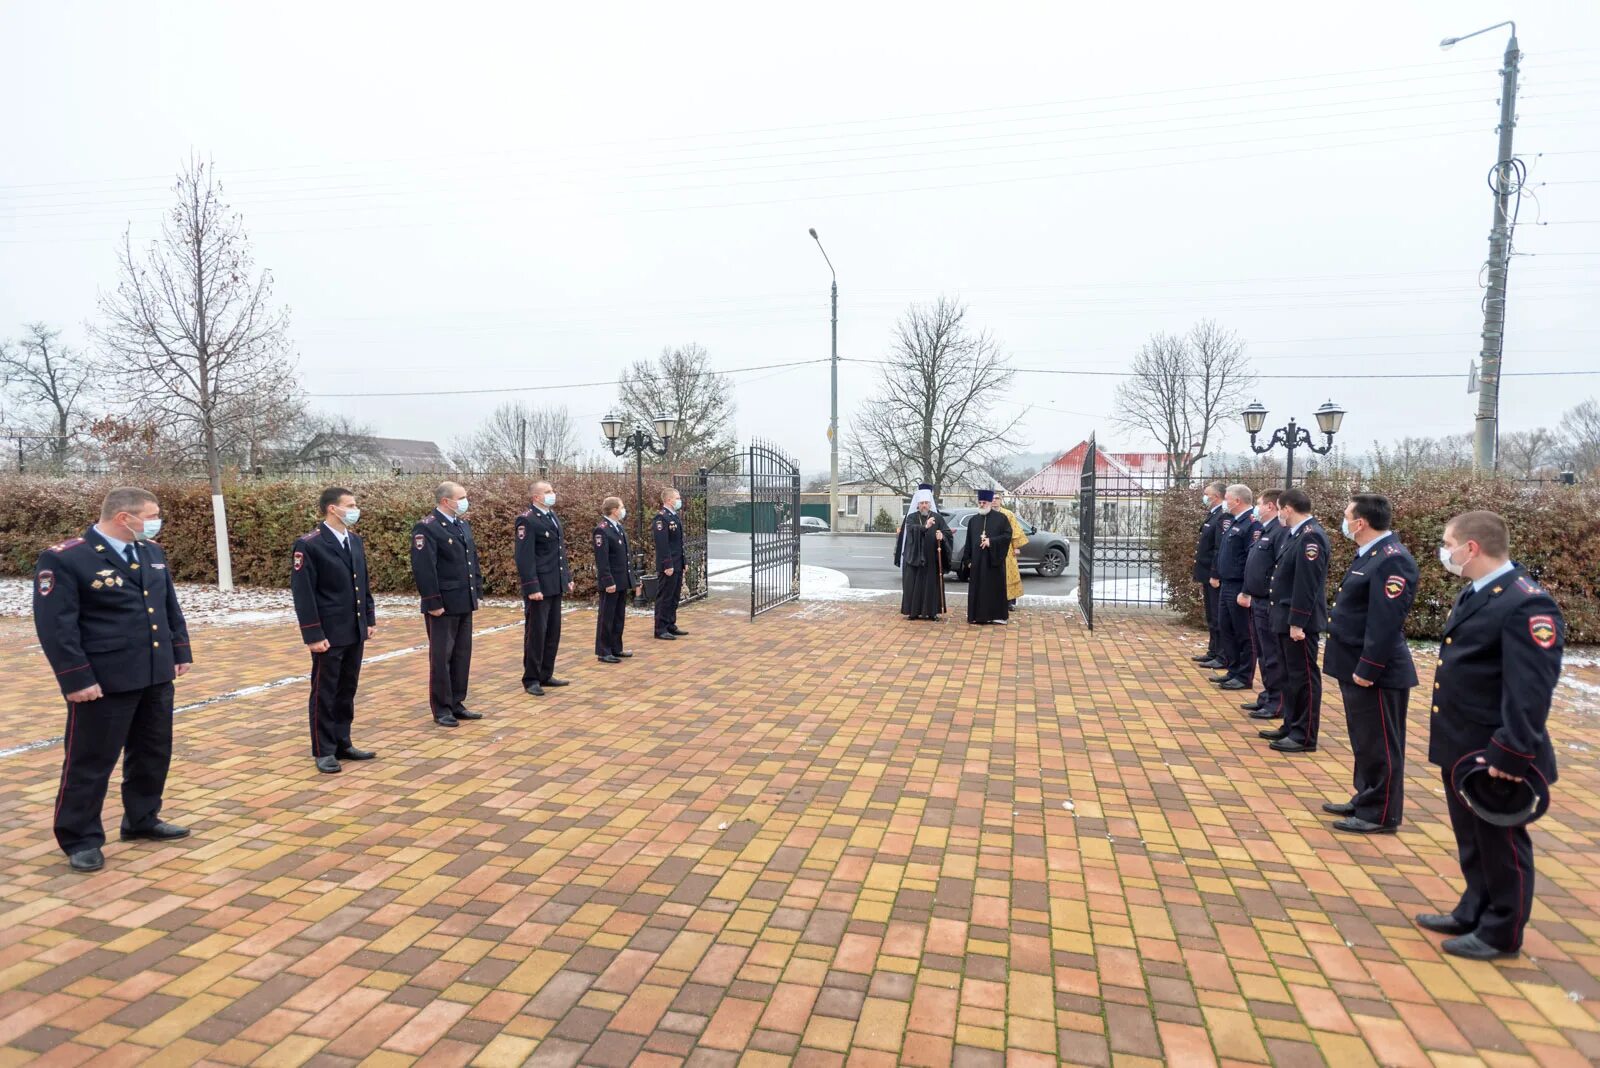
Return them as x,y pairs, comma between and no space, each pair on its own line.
639,441
1293,436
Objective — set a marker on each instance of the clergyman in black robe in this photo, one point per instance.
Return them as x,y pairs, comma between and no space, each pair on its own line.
922,552
987,548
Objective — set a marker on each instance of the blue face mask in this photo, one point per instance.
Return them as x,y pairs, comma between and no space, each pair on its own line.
1344,528
549,500
151,528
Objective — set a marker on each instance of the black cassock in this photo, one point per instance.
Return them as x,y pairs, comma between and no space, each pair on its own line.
922,559
986,588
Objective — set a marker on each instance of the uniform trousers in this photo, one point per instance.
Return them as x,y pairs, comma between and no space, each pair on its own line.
1497,863
135,725
1268,654
334,676
1234,626
608,623
1302,687
1208,594
1376,720
541,638
669,588
449,661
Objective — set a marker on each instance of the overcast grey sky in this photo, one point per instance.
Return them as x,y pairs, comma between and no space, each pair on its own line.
475,196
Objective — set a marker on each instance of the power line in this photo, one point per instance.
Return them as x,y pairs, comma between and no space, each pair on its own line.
1314,377
556,386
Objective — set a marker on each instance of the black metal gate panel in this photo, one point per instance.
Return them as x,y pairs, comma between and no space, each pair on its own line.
1086,513
695,539
774,527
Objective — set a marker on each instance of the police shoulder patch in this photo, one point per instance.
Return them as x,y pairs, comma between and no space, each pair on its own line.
658,524
1313,550
299,560
599,538
1543,631
1394,586
418,541
1226,523
522,532
1256,536
47,582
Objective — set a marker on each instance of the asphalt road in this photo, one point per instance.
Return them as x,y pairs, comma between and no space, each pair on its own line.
868,561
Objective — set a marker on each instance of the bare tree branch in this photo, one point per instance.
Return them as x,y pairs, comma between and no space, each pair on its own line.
1181,389
681,384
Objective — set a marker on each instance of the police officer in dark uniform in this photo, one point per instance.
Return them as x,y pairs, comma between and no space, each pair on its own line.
546,576
109,624
333,601
1367,653
612,578
1299,595
668,527
1257,577
1239,532
1497,670
1205,573
444,563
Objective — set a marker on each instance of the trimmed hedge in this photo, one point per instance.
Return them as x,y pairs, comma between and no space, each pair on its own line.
1554,534
264,518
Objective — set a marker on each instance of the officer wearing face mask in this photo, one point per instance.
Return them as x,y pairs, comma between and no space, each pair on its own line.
546,576
1498,667
333,602
668,529
444,563
109,624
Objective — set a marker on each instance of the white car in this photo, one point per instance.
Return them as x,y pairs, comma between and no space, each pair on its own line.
813,524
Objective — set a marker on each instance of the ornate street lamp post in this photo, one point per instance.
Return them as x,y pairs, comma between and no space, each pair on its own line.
639,441
1293,436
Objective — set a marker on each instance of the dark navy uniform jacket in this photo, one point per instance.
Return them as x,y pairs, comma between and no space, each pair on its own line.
1263,557
332,597
1299,586
1367,627
1238,535
1205,548
610,556
541,554
1498,667
444,562
668,529
102,621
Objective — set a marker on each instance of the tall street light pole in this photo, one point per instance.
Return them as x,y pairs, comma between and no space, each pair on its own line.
1294,436
639,441
1504,181
833,409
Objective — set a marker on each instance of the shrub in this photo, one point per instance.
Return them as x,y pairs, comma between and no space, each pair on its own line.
884,523
265,517
1553,534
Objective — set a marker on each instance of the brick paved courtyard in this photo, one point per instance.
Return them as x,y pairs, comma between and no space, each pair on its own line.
828,836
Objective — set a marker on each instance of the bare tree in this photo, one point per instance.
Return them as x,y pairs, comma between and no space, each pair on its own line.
1523,453
190,334
515,437
933,417
681,384
320,440
50,381
1580,437
1180,389
1412,455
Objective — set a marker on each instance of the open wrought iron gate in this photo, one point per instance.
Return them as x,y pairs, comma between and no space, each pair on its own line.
774,527
1086,513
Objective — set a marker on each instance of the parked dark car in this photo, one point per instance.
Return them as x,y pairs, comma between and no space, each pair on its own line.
1047,552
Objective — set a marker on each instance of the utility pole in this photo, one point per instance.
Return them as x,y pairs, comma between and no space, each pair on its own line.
833,408
522,447
1504,180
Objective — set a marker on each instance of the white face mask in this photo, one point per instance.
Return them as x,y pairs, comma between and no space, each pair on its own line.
351,515
1205,499
622,513
549,500
1449,564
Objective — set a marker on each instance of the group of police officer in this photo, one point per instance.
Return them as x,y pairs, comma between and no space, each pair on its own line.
94,596
1263,569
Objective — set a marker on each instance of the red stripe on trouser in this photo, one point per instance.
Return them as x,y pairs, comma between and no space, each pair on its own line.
1311,719
1388,764
1522,894
316,702
427,626
66,759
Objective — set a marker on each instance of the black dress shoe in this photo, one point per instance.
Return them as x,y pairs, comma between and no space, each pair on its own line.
447,721
1219,678
87,860
1288,745
156,832
1338,808
1266,713
1252,706
328,765
676,630
1357,825
666,637
1474,948
1234,684
350,752
556,682
1444,923
624,654
534,688
1215,663
608,659
1274,735
1203,657
462,713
